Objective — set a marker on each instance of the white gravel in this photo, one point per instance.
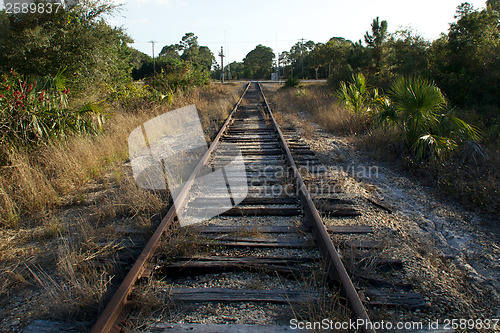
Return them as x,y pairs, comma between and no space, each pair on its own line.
452,255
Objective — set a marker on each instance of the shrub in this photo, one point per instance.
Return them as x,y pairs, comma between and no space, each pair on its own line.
291,82
177,75
128,94
35,110
416,106
339,74
356,95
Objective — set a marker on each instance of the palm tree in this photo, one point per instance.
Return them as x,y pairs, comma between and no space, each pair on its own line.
417,107
355,95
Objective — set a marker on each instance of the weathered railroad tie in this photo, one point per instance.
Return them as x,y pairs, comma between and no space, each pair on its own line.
275,236
381,291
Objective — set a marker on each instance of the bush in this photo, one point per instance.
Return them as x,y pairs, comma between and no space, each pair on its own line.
291,82
416,107
356,95
33,110
128,94
177,75
339,74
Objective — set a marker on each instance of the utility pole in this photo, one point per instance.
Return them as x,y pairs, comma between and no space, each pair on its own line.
277,59
221,55
302,56
153,46
279,55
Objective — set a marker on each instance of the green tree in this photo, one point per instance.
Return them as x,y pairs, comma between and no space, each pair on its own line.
336,53
286,64
177,74
318,59
189,46
137,58
206,58
170,52
189,50
299,57
236,69
140,62
407,53
466,63
360,58
258,63
493,4
375,41
77,39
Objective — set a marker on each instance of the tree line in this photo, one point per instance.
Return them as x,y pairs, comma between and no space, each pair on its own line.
464,63
83,56
60,72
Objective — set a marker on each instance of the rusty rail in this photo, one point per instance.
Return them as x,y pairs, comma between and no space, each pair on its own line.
336,269
113,309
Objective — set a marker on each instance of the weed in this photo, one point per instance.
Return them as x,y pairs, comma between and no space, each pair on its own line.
291,82
34,182
69,252
52,227
182,242
322,301
126,199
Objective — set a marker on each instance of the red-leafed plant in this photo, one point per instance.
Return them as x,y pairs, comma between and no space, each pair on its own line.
34,110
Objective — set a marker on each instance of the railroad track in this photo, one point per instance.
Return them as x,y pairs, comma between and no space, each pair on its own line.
271,252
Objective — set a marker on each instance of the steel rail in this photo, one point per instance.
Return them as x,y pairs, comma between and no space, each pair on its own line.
114,307
336,268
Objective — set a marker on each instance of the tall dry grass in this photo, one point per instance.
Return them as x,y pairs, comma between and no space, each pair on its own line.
320,102
36,181
471,179
63,206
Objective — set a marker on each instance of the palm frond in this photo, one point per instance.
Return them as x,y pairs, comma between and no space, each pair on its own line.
416,95
419,103
355,95
463,130
385,112
434,146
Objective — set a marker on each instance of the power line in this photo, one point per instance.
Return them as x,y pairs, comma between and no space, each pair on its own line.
226,42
